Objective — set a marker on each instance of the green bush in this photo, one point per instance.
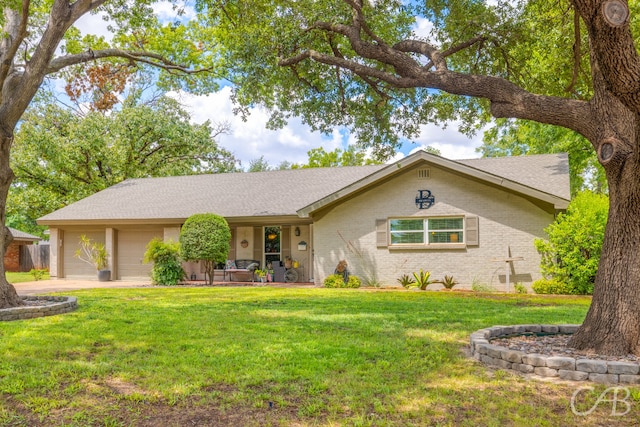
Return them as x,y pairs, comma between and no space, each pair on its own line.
205,238
336,281
572,253
520,288
477,286
167,268
38,274
551,286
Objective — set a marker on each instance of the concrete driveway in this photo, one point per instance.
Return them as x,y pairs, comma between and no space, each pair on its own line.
62,285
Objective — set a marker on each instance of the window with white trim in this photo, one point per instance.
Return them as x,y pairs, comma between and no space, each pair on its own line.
426,231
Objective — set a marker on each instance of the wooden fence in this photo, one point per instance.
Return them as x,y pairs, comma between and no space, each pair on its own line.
34,256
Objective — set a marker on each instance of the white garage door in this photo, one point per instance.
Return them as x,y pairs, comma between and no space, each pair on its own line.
131,247
74,268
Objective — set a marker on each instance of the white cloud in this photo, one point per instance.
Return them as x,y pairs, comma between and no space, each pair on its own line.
94,24
451,143
251,139
422,27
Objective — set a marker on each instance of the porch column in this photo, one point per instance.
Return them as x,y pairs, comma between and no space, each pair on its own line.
110,246
55,248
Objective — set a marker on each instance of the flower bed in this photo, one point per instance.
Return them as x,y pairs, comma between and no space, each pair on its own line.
39,306
574,368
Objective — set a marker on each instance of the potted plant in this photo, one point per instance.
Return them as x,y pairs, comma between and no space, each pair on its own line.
262,274
95,254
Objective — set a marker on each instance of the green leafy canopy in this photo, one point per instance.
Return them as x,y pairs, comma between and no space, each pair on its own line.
60,157
529,43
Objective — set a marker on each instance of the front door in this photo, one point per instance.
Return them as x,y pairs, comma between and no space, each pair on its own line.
272,244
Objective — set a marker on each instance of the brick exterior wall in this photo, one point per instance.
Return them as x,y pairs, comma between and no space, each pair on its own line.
508,224
12,257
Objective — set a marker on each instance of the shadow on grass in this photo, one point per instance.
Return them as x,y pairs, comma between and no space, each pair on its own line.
273,356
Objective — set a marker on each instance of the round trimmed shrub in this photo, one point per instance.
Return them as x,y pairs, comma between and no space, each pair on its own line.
205,238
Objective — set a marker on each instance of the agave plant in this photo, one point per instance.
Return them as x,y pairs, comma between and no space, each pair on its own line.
423,279
406,281
448,282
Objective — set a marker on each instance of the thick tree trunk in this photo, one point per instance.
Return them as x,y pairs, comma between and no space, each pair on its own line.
8,295
612,325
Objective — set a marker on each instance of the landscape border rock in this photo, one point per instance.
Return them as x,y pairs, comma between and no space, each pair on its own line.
49,306
561,367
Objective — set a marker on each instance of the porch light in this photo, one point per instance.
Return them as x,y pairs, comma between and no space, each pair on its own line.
272,236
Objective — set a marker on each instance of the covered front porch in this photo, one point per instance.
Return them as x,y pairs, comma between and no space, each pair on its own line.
283,250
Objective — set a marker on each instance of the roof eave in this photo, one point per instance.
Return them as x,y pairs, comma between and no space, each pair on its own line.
394,168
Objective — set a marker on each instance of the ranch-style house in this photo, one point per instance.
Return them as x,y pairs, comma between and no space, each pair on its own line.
473,219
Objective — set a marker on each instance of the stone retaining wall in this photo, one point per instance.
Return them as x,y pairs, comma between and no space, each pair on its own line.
50,307
562,367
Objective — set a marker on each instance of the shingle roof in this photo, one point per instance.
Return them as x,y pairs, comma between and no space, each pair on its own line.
274,193
230,195
545,172
22,236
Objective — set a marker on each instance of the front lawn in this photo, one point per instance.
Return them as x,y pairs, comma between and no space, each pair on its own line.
267,356
14,277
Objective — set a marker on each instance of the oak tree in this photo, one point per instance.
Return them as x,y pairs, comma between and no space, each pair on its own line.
350,156
38,40
366,66
61,156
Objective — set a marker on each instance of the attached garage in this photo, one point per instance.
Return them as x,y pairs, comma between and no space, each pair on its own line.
131,246
74,267
126,246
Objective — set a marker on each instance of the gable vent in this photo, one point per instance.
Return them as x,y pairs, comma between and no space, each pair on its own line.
424,173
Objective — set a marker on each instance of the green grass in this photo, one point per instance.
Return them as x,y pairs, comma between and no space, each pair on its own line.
23,277
267,356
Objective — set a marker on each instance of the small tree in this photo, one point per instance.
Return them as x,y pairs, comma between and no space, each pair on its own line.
93,253
572,253
205,238
167,269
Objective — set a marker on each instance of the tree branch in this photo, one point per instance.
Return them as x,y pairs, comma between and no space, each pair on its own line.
404,64
150,58
416,46
507,99
16,33
23,87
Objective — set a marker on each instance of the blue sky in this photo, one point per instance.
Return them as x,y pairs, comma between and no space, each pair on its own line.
251,139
